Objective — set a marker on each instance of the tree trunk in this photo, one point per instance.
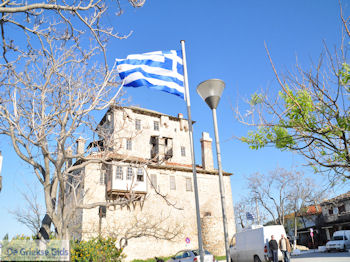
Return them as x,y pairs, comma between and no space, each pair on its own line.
44,231
295,231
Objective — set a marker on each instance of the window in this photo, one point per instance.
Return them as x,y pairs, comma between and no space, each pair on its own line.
128,144
138,124
140,175
183,151
341,209
154,180
186,254
172,183
168,142
102,210
130,173
188,184
179,255
119,173
102,177
330,211
156,125
154,146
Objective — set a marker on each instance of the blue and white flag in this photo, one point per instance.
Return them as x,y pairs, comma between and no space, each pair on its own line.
161,70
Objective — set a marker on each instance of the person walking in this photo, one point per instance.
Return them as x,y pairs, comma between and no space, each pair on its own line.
273,248
284,246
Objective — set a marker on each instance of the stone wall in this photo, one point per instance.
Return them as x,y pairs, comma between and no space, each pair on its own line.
174,128
159,223
156,219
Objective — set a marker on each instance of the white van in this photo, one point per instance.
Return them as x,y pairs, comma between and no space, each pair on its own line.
339,241
252,244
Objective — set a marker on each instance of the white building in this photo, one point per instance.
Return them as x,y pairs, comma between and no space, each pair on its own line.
150,162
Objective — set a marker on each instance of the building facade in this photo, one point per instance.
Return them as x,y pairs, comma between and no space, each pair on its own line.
307,220
336,214
322,220
148,187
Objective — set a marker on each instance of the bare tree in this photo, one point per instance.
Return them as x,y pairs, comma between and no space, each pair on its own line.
272,192
283,192
248,204
240,213
304,192
32,213
44,110
31,28
160,228
51,87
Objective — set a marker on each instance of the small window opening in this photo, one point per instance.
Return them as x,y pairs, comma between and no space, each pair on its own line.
130,173
140,176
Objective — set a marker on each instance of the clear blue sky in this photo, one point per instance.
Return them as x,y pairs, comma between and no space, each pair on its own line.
224,39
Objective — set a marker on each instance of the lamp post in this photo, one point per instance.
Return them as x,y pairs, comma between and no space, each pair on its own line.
210,91
0,171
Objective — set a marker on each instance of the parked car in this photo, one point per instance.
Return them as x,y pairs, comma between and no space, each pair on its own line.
252,244
339,241
192,256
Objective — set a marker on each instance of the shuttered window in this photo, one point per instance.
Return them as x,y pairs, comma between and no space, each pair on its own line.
183,151
129,144
138,124
188,184
172,183
130,173
119,173
154,180
156,125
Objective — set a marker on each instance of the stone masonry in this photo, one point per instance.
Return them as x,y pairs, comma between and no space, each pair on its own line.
156,149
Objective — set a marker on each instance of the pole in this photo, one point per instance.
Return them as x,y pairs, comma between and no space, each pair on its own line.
257,210
221,184
195,184
0,171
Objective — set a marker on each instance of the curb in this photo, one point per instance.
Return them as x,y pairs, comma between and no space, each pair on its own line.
298,252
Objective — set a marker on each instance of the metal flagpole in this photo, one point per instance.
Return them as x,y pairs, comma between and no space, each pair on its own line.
187,97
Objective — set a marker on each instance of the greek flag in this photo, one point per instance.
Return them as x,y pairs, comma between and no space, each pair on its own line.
161,70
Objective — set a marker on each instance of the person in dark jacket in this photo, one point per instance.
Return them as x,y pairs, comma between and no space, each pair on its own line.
273,248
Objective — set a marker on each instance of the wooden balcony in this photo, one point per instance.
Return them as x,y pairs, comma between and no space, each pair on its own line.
119,184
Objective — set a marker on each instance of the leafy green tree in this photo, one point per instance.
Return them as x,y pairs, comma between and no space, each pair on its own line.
310,115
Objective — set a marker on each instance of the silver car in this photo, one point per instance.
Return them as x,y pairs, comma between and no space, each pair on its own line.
191,256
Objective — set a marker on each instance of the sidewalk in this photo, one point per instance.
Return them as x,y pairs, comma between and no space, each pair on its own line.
298,252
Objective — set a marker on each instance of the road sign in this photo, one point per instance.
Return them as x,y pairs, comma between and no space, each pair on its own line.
249,216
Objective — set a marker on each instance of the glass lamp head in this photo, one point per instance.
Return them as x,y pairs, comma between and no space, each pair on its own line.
210,91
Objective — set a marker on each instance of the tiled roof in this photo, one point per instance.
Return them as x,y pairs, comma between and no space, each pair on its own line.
336,199
310,210
165,165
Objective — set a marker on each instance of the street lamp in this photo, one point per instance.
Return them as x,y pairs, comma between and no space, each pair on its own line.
211,91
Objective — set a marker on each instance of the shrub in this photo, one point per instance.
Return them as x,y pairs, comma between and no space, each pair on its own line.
96,249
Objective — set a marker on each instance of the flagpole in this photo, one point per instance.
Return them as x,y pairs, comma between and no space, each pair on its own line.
195,183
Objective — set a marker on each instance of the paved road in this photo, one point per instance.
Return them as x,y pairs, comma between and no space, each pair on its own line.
322,257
